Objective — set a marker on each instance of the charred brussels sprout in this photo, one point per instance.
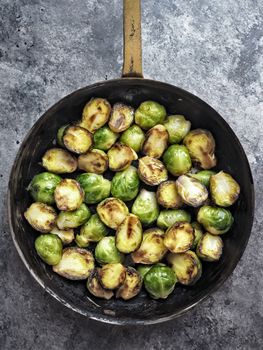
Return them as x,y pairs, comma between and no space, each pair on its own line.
112,276
192,191
149,114
146,207
210,247
133,137
75,138
92,231
68,195
104,138
167,195
125,184
201,146
95,288
94,161
152,171
75,264
177,127
160,282
42,187
198,233
129,234
66,236
156,141
72,219
131,286
49,248
224,189
96,187
169,217
121,117
203,176
106,251
179,237
120,157
215,220
177,160
59,161
41,217
112,212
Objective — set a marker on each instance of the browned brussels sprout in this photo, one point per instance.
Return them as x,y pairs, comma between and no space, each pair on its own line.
210,247
129,234
94,161
192,191
68,195
120,157
167,195
131,286
224,189
95,114
121,118
179,238
66,236
152,171
156,141
95,288
41,217
59,161
75,138
112,212
112,276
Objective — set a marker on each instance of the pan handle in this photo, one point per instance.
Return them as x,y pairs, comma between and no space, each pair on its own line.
132,43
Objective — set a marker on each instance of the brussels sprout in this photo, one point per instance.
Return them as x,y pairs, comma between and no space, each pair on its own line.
179,237
215,220
146,207
125,184
177,127
95,288
224,189
59,161
121,117
42,187
92,231
131,286
210,247
75,264
203,176
160,282
106,251
169,217
104,138
167,195
156,141
112,212
60,135
192,191
152,248
198,233
111,276
186,266
41,217
120,157
95,114
149,114
143,269
49,248
94,161
72,219
133,137
129,234
68,195
66,236
75,138
152,171
201,146
177,160
96,187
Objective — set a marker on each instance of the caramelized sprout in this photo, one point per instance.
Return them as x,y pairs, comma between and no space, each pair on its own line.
133,137
129,234
96,187
68,195
112,212
95,288
66,236
179,237
112,276
149,114
198,233
177,160
121,117
215,220
167,195
210,247
59,161
192,191
131,286
224,189
75,138
94,161
41,216
120,157
152,171
156,141
177,127
146,207
95,114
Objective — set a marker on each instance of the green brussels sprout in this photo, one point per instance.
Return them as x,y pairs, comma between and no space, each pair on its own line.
112,276
160,282
104,138
179,237
41,217
75,264
42,187
156,141
120,157
133,137
94,161
167,195
68,195
215,220
149,113
192,191
129,234
152,248
203,176
95,186
72,219
60,135
146,207
177,127
210,247
75,138
152,171
66,236
125,184
112,211
201,147
59,161
131,286
224,189
106,251
198,233
95,288
49,248
121,117
177,160
169,217
143,269
186,266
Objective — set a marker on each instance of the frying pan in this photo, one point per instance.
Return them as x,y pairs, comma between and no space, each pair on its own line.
131,89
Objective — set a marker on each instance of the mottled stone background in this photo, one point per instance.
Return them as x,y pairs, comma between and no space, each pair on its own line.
211,48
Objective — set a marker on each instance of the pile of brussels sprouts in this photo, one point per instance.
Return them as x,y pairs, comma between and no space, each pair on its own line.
122,213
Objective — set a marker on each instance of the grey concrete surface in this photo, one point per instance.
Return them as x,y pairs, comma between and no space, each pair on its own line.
211,48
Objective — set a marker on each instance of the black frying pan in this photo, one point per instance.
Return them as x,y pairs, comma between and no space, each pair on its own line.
131,89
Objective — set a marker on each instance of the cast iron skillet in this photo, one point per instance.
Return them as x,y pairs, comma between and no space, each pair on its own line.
131,89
